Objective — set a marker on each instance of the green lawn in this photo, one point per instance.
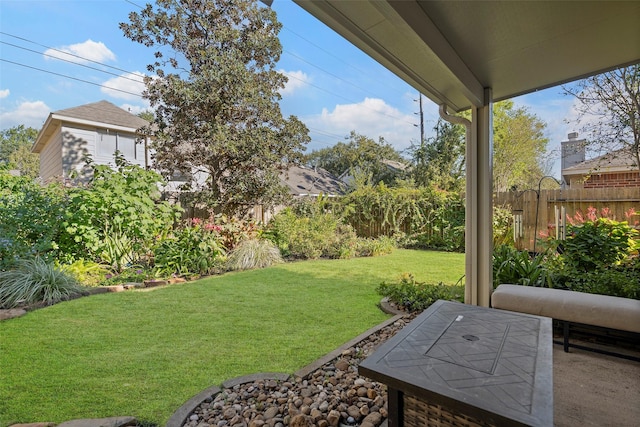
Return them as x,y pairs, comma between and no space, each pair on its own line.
144,353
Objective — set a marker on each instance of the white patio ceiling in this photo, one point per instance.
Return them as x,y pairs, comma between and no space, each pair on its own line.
467,54
451,50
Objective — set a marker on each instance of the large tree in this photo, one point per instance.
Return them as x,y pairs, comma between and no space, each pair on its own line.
15,150
608,106
215,91
519,148
439,160
360,157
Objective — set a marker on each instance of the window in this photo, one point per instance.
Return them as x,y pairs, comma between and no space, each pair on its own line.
107,143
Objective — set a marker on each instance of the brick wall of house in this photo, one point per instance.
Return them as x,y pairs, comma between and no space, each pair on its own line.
608,180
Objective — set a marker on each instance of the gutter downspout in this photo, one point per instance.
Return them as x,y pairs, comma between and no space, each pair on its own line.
456,120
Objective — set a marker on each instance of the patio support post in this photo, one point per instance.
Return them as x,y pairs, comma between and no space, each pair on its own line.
479,209
479,201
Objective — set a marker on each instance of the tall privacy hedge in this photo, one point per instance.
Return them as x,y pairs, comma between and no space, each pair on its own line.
417,217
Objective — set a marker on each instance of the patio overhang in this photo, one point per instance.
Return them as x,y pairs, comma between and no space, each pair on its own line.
467,54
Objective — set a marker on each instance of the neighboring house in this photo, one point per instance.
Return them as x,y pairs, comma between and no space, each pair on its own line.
307,182
94,130
303,182
616,169
393,168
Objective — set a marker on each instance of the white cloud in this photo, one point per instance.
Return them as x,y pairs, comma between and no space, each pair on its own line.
4,93
82,52
373,118
297,80
135,109
126,86
30,114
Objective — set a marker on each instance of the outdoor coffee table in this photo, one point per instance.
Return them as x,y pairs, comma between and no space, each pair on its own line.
463,365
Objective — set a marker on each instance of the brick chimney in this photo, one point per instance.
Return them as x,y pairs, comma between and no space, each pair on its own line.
573,152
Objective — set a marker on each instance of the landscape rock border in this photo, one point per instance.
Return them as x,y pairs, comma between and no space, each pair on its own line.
180,417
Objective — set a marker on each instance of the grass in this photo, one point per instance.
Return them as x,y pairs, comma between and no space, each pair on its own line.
144,353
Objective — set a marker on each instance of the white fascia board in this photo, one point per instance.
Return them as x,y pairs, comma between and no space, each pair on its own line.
102,125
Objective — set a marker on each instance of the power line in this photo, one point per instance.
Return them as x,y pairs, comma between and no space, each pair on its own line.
331,54
326,72
74,63
69,77
65,53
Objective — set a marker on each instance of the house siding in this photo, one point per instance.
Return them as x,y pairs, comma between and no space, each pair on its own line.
72,144
50,159
77,144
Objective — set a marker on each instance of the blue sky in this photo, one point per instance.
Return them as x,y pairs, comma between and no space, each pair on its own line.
333,87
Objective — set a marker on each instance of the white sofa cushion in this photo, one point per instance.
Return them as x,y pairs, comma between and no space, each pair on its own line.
590,309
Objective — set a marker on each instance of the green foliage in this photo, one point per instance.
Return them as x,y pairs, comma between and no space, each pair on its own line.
318,235
382,245
15,150
519,147
193,248
599,255
597,244
117,218
87,273
417,296
134,274
519,268
621,280
253,253
360,157
502,226
215,99
31,218
439,161
35,281
417,217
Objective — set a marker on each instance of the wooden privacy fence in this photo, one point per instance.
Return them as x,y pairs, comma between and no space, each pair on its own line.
547,211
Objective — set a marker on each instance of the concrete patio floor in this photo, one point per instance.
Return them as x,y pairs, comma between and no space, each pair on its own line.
592,389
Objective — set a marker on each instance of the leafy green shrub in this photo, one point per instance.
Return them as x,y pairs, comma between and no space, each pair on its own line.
194,248
117,218
321,234
35,281
254,253
622,280
599,255
599,243
134,274
426,218
502,226
519,267
417,296
375,247
87,273
30,219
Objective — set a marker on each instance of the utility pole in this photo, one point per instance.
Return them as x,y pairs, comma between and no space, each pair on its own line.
421,119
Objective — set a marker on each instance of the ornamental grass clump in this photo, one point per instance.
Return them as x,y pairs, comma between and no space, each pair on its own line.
254,253
35,281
